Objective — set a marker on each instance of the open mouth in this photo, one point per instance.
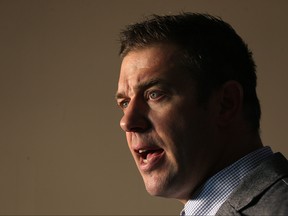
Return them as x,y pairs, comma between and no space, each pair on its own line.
147,154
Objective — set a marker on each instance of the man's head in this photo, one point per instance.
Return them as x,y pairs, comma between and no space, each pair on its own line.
185,81
210,49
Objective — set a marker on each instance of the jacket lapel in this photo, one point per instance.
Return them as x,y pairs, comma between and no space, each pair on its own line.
254,185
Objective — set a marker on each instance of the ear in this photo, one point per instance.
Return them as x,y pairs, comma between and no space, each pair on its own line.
231,102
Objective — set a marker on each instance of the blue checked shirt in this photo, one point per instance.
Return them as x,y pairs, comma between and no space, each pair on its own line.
214,192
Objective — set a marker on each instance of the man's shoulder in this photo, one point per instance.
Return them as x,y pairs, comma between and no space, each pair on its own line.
263,191
272,201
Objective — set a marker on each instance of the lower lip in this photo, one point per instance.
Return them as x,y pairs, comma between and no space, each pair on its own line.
153,162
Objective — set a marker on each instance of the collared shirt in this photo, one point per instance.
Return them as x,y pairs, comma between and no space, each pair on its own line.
215,191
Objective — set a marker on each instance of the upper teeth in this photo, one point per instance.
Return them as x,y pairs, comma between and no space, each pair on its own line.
142,151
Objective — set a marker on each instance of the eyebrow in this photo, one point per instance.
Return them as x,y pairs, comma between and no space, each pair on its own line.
144,85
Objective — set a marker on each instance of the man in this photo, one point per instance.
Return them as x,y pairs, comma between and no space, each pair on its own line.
191,116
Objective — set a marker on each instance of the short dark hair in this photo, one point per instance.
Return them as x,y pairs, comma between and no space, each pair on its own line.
211,50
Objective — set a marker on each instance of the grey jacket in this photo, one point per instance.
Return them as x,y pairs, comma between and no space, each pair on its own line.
264,191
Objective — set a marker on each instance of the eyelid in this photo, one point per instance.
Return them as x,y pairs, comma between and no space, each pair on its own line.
121,103
159,92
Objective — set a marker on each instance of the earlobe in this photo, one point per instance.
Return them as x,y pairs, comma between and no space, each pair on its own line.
231,102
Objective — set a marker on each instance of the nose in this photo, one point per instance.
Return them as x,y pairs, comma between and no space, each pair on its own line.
135,118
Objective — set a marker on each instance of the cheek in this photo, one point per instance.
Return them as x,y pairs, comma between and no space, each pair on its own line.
173,124
171,130
180,130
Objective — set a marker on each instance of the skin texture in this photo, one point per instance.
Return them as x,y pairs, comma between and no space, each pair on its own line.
160,111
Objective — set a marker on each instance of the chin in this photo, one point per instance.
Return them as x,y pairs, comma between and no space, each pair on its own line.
156,192
166,187
154,187
159,187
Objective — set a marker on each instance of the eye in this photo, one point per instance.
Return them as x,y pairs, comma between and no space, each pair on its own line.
154,95
123,104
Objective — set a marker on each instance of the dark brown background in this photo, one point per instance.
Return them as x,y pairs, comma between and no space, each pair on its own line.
61,149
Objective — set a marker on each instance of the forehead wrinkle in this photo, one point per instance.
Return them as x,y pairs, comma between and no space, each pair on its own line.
143,85
145,67
151,82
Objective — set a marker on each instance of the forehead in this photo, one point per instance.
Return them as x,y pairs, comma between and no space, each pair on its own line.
145,64
155,56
